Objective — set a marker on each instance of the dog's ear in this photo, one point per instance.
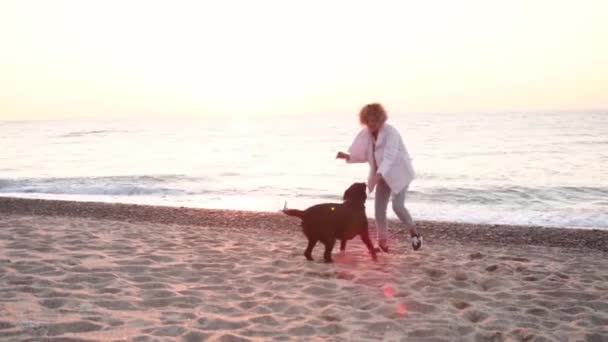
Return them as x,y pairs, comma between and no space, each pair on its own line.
355,192
347,194
361,192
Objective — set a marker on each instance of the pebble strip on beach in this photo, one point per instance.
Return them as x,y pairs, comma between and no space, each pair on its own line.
500,235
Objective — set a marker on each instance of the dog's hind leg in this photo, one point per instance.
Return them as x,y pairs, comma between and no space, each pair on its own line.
308,251
368,243
329,246
343,245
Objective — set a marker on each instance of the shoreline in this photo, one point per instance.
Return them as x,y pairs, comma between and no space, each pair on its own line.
484,234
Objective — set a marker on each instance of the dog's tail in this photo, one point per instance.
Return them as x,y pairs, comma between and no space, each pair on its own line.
292,212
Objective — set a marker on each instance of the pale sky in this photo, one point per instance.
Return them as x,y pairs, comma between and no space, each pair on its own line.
99,59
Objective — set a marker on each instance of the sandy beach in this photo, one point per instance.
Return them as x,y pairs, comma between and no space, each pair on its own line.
108,272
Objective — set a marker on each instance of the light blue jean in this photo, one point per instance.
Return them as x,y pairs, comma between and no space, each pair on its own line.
383,194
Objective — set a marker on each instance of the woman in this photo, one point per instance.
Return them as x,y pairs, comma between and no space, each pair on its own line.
391,171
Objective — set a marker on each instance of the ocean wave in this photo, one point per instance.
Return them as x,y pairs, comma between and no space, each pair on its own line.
183,185
492,195
75,134
590,142
112,185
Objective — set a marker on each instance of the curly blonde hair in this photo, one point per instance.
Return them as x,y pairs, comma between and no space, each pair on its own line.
373,111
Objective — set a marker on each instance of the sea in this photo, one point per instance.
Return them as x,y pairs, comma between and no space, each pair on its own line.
537,168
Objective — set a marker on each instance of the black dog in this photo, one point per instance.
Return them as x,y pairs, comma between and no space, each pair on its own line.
329,222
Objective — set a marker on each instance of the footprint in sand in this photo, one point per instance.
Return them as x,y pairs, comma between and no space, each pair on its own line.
460,276
6,325
490,284
475,316
417,307
220,324
184,302
303,330
266,320
262,310
69,327
171,317
318,291
490,336
116,305
537,312
195,336
110,290
475,256
492,268
247,305
53,303
435,274
170,331
574,310
232,338
461,305
510,258
151,294
152,286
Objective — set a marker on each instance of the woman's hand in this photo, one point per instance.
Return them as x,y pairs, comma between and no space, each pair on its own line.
342,155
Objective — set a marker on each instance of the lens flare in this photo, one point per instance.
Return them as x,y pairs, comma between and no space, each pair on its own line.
401,309
388,291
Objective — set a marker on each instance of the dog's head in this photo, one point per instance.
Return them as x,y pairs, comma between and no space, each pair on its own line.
356,193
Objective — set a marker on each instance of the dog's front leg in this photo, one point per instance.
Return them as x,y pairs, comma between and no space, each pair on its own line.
368,243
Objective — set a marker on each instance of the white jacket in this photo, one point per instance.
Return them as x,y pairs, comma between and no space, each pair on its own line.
394,162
